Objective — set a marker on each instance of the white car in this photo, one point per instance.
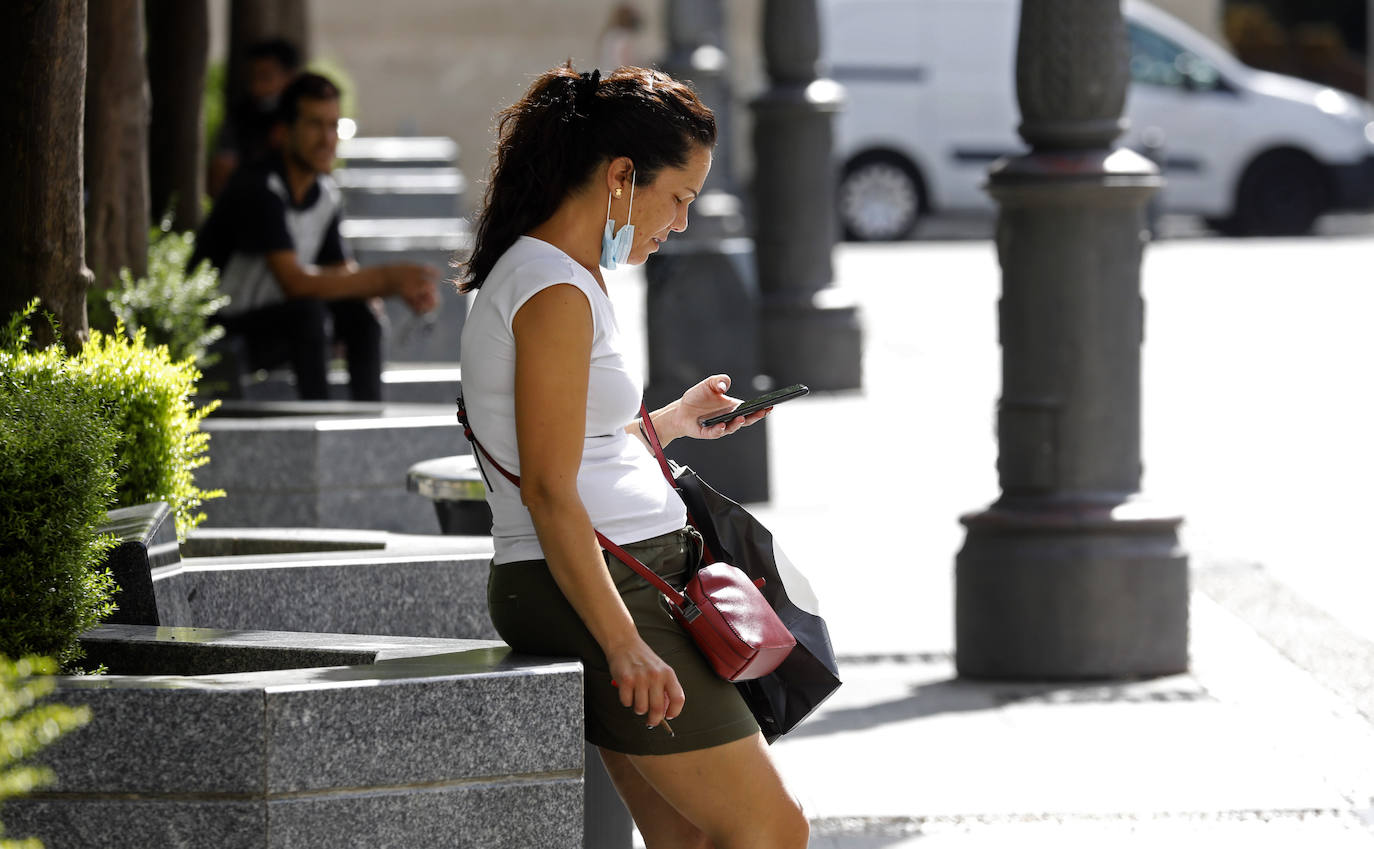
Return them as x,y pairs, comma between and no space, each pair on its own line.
931,104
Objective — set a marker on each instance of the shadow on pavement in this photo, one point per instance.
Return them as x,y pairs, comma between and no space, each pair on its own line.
958,695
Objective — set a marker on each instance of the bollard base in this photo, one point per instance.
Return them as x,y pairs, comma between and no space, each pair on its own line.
1061,593
702,307
818,345
463,518
702,311
736,466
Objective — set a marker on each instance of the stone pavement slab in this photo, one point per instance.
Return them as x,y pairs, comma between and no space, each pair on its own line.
1250,831
1246,747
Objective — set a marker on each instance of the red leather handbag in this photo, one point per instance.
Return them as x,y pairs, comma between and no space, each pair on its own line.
725,614
729,619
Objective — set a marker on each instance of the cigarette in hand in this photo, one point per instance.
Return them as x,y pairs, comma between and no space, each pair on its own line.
668,727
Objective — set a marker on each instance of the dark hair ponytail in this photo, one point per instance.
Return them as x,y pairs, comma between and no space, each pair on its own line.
549,143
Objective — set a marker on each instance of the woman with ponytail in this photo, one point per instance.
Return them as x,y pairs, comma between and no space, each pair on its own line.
593,173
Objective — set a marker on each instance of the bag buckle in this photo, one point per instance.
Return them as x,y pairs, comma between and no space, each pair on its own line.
689,611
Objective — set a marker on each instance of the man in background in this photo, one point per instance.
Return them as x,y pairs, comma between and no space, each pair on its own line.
295,292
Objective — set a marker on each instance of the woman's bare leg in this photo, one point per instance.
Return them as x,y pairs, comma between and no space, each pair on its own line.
659,823
732,793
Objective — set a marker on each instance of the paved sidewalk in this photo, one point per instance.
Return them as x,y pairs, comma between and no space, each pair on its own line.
1246,747
867,489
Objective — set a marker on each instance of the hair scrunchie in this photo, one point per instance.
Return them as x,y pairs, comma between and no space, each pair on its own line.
584,92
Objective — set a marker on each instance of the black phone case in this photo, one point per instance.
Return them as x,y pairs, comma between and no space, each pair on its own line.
753,405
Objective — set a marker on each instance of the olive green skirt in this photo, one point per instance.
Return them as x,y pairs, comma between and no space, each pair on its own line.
532,616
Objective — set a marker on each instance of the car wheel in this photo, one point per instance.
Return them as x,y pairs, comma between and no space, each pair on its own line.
1281,194
879,199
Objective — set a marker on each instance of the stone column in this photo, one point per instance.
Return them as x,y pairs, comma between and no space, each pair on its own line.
696,53
810,332
1070,574
702,300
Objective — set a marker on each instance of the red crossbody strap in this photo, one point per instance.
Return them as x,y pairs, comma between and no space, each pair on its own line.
652,435
620,554
472,437
647,425
645,572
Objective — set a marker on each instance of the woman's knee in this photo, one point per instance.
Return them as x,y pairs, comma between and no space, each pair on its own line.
782,826
794,829
803,827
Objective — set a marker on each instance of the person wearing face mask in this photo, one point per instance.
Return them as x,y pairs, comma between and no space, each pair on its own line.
249,130
593,173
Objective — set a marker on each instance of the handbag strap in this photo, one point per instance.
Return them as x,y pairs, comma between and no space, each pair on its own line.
646,426
675,597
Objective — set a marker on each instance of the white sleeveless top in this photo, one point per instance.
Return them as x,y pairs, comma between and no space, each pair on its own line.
619,481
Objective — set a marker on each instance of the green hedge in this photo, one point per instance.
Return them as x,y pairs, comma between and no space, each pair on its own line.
112,425
56,483
146,397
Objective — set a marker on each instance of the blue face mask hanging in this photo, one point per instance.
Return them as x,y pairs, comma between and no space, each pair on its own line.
615,247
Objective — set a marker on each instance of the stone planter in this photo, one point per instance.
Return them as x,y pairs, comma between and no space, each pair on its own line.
313,740
357,582
325,464
351,582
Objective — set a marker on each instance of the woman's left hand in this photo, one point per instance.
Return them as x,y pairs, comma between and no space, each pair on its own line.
706,399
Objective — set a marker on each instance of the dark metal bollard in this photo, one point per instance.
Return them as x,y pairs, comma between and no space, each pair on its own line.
809,330
1071,573
455,486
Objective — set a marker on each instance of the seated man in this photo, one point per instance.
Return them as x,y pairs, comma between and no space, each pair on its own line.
274,236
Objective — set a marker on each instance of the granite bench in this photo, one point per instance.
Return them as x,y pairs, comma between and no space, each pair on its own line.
220,739
323,463
367,583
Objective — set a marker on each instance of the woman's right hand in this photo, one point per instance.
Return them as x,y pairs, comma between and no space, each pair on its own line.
647,685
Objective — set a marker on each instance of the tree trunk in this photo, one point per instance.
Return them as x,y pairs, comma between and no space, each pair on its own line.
42,77
251,21
116,141
178,43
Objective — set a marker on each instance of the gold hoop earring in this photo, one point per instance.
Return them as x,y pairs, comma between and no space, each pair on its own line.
619,192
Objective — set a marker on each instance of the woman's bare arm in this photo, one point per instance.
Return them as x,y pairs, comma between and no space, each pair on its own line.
680,417
553,339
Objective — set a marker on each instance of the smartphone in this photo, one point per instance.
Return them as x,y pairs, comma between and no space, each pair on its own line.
753,405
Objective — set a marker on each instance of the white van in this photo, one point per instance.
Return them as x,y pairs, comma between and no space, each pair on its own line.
931,103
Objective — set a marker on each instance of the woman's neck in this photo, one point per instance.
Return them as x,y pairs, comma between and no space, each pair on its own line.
575,228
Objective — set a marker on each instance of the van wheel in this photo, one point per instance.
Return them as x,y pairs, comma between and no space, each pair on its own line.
879,198
1281,194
